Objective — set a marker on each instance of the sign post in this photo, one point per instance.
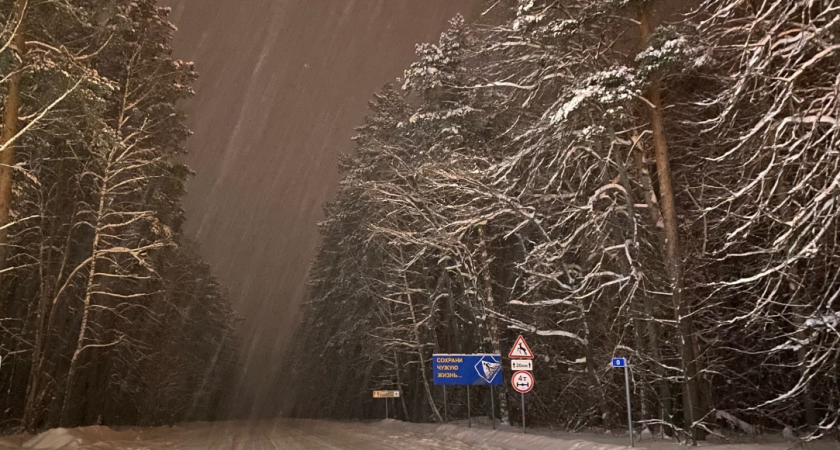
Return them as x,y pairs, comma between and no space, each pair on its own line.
386,395
522,360
492,408
445,409
469,409
480,369
622,362
522,382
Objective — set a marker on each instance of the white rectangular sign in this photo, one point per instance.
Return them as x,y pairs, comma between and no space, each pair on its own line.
522,364
386,394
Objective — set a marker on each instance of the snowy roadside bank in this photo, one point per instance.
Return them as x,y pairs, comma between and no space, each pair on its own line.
325,435
297,434
511,437
506,439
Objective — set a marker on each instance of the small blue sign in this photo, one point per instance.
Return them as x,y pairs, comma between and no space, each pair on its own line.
619,362
467,370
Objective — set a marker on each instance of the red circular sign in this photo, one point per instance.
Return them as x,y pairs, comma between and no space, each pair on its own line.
522,381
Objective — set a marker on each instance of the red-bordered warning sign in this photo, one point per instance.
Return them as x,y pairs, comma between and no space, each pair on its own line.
522,382
520,349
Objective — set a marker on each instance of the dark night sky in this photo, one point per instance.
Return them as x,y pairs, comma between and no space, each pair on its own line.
283,84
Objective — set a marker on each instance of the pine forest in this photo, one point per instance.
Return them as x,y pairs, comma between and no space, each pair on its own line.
655,180
109,316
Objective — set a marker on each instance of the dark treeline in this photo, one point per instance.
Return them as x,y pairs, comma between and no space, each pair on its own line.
608,178
107,313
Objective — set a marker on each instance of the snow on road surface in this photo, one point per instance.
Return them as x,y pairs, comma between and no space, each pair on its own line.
322,435
293,435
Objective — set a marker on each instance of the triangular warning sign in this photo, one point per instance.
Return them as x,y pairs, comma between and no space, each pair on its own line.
520,349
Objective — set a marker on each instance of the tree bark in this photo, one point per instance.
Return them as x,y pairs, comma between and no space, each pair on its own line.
808,404
89,288
492,323
673,261
652,327
628,268
453,335
11,112
399,386
420,354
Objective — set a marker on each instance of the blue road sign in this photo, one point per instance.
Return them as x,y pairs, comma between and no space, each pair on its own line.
467,370
619,362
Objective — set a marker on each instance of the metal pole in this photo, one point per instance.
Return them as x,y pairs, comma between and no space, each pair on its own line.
469,417
492,407
445,413
386,408
523,413
629,411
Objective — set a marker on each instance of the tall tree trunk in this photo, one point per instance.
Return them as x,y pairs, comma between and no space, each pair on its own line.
808,404
453,335
399,386
45,323
420,353
652,326
597,388
90,286
41,312
492,323
11,111
98,230
664,386
627,266
673,262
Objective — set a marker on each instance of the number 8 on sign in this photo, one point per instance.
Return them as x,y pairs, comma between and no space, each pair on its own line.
522,382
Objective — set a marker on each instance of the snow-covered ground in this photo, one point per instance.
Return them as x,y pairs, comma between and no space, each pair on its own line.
291,435
321,435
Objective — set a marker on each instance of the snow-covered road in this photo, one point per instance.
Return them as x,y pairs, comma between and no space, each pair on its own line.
294,435
323,435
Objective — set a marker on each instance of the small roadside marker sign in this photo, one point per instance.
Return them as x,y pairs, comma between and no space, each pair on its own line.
521,364
520,349
386,394
621,363
522,382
